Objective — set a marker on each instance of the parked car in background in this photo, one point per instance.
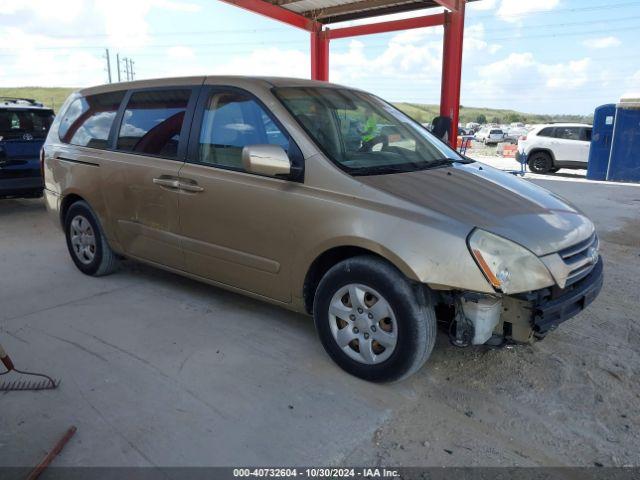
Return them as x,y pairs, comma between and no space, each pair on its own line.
322,199
472,127
548,148
24,124
513,134
490,135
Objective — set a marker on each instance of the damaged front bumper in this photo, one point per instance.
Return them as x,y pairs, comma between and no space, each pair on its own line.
521,318
552,306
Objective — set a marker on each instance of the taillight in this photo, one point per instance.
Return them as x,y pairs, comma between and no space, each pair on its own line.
42,162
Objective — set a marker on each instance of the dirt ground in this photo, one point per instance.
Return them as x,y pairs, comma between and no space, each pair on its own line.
162,371
570,400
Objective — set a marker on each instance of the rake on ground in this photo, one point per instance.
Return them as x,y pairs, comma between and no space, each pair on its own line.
25,380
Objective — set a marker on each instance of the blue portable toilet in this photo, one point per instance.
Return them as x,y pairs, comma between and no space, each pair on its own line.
615,142
600,151
624,163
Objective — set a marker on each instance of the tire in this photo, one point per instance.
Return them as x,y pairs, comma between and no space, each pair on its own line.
91,253
540,162
554,170
407,311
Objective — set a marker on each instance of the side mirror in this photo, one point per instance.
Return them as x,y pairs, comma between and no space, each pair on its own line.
269,160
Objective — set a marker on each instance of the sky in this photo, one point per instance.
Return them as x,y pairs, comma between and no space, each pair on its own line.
537,56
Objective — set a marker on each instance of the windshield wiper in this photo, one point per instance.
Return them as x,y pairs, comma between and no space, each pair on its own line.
445,162
441,162
381,170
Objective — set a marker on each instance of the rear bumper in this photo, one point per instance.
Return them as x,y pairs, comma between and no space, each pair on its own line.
52,202
551,307
20,186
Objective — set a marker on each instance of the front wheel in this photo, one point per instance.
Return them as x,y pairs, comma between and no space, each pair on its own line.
540,162
372,321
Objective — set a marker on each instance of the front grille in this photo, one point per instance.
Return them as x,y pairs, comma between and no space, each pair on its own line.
579,259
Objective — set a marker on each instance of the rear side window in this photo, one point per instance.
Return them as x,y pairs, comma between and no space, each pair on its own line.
152,122
88,120
25,124
546,132
233,120
586,134
568,133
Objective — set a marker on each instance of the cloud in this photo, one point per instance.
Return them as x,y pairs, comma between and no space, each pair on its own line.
46,38
268,61
515,10
602,42
567,76
483,5
65,11
176,6
522,79
633,86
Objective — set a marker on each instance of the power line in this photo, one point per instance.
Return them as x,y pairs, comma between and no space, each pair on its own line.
298,41
562,10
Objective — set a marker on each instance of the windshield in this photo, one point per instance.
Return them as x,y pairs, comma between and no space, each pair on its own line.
362,134
25,124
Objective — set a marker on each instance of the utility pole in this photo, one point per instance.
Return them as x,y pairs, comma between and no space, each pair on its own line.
106,51
126,67
131,62
118,64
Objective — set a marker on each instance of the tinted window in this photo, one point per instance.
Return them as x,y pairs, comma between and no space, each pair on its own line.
25,124
568,133
586,134
152,122
88,120
231,121
546,132
496,132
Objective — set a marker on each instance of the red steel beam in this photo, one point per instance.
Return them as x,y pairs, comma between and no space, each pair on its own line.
452,71
320,56
276,13
391,26
453,5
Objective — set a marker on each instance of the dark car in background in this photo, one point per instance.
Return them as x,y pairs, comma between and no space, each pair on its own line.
24,124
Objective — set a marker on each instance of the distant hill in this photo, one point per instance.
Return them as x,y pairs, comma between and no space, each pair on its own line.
50,96
54,97
426,113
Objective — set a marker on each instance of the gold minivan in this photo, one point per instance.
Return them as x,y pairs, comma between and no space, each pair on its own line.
322,199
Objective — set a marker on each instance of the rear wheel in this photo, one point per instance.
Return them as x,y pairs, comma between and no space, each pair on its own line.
372,321
87,244
540,162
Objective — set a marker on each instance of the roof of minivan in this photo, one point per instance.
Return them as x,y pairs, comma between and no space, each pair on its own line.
175,81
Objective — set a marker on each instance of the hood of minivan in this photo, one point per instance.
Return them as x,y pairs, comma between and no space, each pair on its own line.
481,196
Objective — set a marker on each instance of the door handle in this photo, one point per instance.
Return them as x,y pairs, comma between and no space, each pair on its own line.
167,182
190,187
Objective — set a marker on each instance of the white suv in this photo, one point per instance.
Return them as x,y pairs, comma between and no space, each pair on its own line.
490,135
548,148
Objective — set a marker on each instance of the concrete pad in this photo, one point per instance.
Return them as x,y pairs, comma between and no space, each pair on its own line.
162,370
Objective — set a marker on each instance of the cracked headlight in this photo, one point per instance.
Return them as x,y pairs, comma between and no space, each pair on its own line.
507,266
